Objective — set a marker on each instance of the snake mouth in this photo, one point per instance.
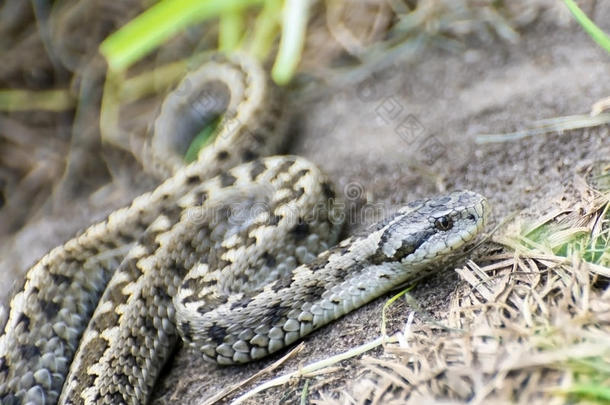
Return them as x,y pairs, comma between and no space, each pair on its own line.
477,215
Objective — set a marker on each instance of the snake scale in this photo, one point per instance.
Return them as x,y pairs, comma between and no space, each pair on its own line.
230,253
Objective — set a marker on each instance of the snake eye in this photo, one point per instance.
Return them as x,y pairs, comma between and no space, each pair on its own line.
443,223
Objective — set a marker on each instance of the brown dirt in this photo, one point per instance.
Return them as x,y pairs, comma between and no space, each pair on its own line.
353,132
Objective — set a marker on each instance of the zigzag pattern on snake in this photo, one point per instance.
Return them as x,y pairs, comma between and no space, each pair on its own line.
233,258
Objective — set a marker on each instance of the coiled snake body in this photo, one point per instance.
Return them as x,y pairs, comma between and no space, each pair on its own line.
232,257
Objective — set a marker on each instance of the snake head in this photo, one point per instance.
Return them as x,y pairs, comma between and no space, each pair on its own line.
432,230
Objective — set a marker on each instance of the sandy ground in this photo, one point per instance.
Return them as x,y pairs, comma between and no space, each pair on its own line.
357,134
408,132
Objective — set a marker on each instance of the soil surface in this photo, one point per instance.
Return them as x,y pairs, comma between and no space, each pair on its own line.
405,133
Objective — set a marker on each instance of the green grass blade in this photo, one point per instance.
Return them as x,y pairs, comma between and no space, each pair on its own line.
294,26
154,26
266,29
26,100
203,139
304,393
230,31
387,305
598,391
593,30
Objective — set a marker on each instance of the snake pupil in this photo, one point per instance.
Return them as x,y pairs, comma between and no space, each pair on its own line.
443,223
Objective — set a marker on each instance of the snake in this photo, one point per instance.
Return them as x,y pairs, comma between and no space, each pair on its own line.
235,254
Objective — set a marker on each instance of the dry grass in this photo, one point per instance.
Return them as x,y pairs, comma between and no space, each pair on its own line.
529,326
